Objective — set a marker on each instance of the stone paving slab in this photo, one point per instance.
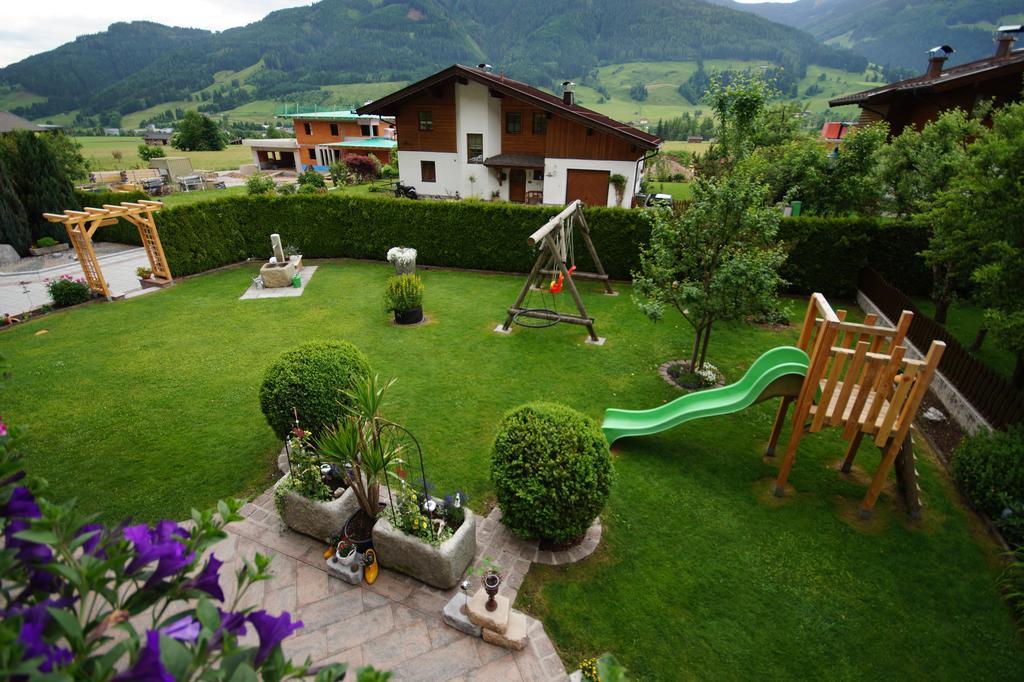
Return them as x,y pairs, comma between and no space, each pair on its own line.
396,623
253,292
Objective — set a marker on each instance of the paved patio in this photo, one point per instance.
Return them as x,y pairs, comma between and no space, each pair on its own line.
394,624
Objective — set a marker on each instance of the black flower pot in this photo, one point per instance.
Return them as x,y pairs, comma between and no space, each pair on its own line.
411,316
359,530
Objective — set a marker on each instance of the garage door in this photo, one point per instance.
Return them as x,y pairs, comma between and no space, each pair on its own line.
589,186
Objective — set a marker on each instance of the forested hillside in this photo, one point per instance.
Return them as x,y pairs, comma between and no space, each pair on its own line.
896,32
360,41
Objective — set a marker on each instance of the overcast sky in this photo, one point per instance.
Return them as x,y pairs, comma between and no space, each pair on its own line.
31,27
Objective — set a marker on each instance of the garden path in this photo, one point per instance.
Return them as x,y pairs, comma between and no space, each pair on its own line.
394,624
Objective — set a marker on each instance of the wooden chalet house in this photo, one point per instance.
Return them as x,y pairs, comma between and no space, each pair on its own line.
470,132
916,101
321,138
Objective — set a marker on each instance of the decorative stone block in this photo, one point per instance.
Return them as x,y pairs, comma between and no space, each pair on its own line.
496,620
47,250
438,566
277,274
351,571
514,636
454,616
320,520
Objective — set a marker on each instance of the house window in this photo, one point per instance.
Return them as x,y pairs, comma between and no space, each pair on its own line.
513,122
364,130
540,123
428,173
474,148
426,120
334,130
374,131
308,128
312,154
538,175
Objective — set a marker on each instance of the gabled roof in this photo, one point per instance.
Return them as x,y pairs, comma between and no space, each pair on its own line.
519,90
9,122
344,115
957,76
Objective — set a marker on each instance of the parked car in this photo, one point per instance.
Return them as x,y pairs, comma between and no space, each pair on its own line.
654,200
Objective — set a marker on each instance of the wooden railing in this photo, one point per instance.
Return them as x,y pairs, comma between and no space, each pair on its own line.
985,389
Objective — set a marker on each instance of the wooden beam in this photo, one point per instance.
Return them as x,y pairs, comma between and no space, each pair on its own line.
56,217
101,211
552,224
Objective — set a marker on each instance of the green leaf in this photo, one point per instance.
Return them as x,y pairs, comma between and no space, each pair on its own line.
42,537
207,614
244,673
69,624
331,673
176,658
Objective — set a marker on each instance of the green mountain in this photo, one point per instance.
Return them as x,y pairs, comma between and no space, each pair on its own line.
896,32
360,41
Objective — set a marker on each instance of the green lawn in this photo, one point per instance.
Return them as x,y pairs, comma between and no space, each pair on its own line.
149,406
99,152
963,322
679,190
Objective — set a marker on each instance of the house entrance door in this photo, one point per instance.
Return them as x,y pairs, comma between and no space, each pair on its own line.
517,185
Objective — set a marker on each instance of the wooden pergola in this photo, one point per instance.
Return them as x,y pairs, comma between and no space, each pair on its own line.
81,225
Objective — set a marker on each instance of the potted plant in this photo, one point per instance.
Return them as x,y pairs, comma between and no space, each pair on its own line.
618,183
432,539
404,296
361,446
403,258
47,245
307,497
291,252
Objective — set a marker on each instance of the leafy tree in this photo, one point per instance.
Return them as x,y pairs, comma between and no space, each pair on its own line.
197,133
638,92
147,152
68,154
362,166
718,260
13,221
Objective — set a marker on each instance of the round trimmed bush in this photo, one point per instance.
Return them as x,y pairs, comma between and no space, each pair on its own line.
311,378
551,470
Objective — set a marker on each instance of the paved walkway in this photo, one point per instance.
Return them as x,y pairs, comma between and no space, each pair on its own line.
394,624
24,291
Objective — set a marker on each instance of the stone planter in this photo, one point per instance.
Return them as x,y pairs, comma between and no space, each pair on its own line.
438,566
277,275
46,250
320,520
411,316
296,262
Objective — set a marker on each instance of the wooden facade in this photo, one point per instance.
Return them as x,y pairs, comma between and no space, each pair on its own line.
439,102
526,141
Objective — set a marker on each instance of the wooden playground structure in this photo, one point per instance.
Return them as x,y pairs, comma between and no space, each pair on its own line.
82,225
556,258
860,380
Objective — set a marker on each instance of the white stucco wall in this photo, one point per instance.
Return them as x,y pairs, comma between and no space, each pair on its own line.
477,112
556,176
446,167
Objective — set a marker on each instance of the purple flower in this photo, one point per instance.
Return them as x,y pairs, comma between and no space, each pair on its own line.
91,546
148,667
21,505
185,629
35,621
161,544
232,621
272,631
208,580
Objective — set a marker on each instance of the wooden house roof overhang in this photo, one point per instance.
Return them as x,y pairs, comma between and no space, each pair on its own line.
514,161
956,77
500,85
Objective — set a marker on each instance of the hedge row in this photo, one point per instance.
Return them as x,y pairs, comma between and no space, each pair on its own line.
824,254
122,233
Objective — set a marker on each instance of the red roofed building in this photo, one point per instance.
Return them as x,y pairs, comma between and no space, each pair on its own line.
470,132
916,101
834,132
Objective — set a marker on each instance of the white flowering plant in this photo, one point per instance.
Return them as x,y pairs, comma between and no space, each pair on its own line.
402,257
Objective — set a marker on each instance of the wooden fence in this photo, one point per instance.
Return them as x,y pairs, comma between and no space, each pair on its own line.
990,394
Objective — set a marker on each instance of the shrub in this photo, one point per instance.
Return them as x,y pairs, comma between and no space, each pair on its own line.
259,183
311,180
404,292
147,152
990,469
287,189
66,290
46,242
363,166
339,173
312,379
552,471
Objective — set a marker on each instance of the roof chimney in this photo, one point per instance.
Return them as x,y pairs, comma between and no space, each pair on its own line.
567,92
1005,38
937,57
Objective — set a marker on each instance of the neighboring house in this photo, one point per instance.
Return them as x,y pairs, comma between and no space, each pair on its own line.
916,101
112,132
328,136
10,122
156,138
275,154
833,133
470,132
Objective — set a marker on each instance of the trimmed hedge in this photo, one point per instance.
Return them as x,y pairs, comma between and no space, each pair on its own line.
989,466
824,253
552,471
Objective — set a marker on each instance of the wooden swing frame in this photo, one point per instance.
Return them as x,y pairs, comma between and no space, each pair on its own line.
859,380
550,250
82,225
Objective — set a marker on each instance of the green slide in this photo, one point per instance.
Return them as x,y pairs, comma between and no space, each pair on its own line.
778,372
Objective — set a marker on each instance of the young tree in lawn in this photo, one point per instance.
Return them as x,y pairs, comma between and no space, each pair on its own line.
718,260
197,133
362,166
982,211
